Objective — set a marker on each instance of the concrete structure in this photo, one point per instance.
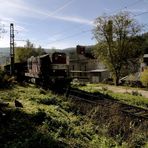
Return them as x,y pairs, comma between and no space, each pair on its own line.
87,69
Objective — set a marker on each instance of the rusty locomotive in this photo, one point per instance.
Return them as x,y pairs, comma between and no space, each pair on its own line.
49,70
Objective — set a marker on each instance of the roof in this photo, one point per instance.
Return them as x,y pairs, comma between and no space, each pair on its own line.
91,71
77,71
132,77
98,70
145,56
42,56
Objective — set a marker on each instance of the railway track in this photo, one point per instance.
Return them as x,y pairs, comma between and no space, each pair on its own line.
108,101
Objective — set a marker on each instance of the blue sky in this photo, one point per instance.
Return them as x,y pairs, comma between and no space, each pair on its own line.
61,23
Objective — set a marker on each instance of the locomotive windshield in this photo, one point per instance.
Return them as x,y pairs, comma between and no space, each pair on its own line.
59,58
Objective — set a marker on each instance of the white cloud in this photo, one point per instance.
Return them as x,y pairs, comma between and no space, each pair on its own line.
54,37
12,11
18,8
74,19
60,45
5,41
61,8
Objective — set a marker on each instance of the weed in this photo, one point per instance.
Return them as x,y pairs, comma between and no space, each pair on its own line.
47,121
49,101
104,88
136,93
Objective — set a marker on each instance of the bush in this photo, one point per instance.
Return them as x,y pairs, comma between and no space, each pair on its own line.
5,80
136,93
49,101
144,77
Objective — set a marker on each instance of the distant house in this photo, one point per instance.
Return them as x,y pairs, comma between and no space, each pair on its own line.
86,68
144,64
145,59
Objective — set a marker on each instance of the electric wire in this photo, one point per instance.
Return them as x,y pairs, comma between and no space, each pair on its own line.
131,4
73,35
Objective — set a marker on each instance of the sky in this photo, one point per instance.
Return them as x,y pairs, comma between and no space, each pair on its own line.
61,23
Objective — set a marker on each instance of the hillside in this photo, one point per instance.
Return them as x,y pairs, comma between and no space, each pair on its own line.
5,51
48,121
4,55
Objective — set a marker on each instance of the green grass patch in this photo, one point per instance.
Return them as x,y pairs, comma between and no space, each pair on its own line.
44,121
134,98
49,121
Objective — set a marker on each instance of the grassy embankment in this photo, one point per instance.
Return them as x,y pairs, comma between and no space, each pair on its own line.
133,98
47,120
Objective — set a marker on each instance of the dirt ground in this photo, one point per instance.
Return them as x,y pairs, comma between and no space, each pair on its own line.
120,89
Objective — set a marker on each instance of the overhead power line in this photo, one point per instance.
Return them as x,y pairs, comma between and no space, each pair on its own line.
76,34
125,7
131,4
70,36
141,13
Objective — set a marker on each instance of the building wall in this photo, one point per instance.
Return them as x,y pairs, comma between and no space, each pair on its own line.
144,64
85,64
81,68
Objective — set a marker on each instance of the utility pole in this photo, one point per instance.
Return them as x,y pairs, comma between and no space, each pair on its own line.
12,48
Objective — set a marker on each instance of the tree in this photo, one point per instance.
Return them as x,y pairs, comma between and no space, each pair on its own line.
117,42
23,53
145,43
144,77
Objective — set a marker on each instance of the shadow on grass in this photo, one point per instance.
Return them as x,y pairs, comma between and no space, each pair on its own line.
20,130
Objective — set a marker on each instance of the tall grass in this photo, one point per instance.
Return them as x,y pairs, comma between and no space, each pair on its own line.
48,120
133,98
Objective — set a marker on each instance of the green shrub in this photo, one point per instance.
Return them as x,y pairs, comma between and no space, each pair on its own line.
136,93
144,77
49,101
5,80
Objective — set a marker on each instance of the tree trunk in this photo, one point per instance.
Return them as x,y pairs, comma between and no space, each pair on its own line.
116,79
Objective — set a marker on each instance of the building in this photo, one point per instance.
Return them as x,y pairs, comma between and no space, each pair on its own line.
86,68
144,64
145,59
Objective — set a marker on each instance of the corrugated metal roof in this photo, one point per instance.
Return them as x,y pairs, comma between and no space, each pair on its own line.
98,70
145,56
95,70
78,71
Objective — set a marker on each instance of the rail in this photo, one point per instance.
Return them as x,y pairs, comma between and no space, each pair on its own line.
107,101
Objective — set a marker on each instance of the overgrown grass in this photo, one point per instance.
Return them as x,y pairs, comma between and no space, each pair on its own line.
44,121
48,120
133,98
